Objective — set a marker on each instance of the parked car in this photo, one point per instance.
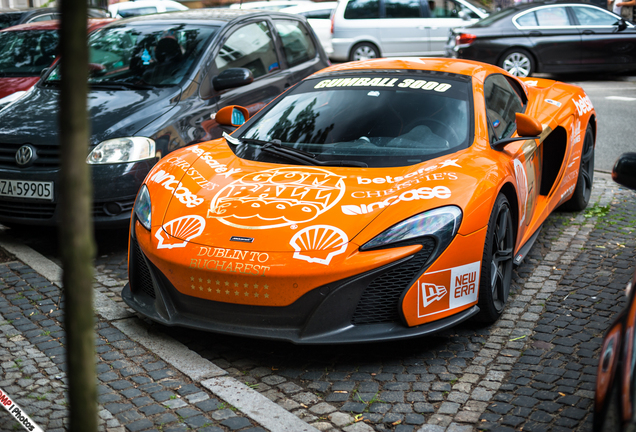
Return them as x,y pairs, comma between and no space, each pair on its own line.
319,17
274,5
156,84
376,200
364,29
11,17
25,51
144,7
614,407
549,37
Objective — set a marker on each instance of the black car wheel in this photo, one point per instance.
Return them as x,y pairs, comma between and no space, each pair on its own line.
364,51
496,266
583,188
517,62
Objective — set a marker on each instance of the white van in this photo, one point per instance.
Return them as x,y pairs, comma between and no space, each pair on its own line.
143,7
363,29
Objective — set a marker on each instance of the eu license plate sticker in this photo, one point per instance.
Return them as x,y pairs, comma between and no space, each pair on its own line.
27,189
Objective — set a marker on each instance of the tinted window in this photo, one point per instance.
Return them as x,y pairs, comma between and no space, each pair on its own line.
26,53
449,9
9,19
142,55
552,17
249,47
46,17
125,13
588,16
297,44
402,8
361,9
528,20
502,102
319,14
386,120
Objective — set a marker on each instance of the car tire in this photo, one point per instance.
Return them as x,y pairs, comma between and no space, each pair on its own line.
517,62
496,266
364,51
584,183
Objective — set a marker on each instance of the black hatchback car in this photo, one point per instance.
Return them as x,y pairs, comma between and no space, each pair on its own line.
156,83
549,37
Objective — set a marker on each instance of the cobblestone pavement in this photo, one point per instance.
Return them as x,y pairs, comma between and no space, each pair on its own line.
533,370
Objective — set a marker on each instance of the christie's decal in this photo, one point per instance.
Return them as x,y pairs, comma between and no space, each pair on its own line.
448,289
423,193
193,173
277,197
319,243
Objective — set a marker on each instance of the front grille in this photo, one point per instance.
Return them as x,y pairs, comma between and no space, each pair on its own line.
27,209
379,302
141,279
48,156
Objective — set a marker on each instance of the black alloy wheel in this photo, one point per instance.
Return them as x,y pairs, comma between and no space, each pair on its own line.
496,266
583,189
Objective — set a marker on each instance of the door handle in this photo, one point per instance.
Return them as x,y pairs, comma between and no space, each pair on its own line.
588,32
535,33
422,27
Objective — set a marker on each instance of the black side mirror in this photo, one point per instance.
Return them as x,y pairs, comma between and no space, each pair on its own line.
624,172
231,78
621,24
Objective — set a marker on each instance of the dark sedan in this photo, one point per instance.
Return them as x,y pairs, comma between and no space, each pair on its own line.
614,403
156,83
11,17
549,37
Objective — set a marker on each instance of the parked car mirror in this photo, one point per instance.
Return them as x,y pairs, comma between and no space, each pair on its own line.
527,128
464,15
621,24
624,172
231,78
232,115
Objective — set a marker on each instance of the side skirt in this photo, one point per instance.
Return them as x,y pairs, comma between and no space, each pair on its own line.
523,251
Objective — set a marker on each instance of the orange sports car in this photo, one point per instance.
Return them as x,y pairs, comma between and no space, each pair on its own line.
375,200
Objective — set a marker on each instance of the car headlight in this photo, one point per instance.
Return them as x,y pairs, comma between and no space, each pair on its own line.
120,150
143,208
442,223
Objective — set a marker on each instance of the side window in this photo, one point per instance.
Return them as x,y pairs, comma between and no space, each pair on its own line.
528,20
125,13
588,16
402,9
362,9
297,44
41,18
502,103
249,47
553,17
318,14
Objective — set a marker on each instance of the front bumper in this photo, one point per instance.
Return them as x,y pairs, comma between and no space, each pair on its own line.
115,187
338,312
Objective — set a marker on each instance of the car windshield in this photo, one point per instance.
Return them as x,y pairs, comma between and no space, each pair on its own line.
377,119
26,53
144,55
9,19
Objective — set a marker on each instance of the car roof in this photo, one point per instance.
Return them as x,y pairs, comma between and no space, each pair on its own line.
524,6
454,66
143,3
203,16
310,7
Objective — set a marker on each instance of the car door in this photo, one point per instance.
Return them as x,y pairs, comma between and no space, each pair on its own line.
404,29
556,40
603,45
503,99
250,45
301,56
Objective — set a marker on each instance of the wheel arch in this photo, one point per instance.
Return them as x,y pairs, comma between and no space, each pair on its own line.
537,64
367,41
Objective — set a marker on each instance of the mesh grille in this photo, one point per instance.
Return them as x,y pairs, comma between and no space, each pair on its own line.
48,155
379,301
141,280
27,209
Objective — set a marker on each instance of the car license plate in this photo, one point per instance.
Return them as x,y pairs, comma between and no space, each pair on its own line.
27,189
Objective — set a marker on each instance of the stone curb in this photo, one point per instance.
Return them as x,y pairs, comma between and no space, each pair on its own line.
255,406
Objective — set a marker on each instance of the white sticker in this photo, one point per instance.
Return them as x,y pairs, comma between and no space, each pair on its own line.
319,243
464,284
182,228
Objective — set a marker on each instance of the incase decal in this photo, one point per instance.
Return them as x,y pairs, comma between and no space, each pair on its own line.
441,192
447,289
384,82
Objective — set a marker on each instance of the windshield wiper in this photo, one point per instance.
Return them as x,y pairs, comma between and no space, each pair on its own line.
297,155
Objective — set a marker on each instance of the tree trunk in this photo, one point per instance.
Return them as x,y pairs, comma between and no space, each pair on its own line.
76,228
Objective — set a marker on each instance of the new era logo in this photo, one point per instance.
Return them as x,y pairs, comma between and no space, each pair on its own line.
431,293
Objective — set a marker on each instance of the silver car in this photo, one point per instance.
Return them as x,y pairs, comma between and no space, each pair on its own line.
363,29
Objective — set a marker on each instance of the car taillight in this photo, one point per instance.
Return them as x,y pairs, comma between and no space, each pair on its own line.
465,39
332,22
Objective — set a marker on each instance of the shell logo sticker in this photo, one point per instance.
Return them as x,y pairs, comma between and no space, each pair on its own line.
277,197
319,243
182,228
447,289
